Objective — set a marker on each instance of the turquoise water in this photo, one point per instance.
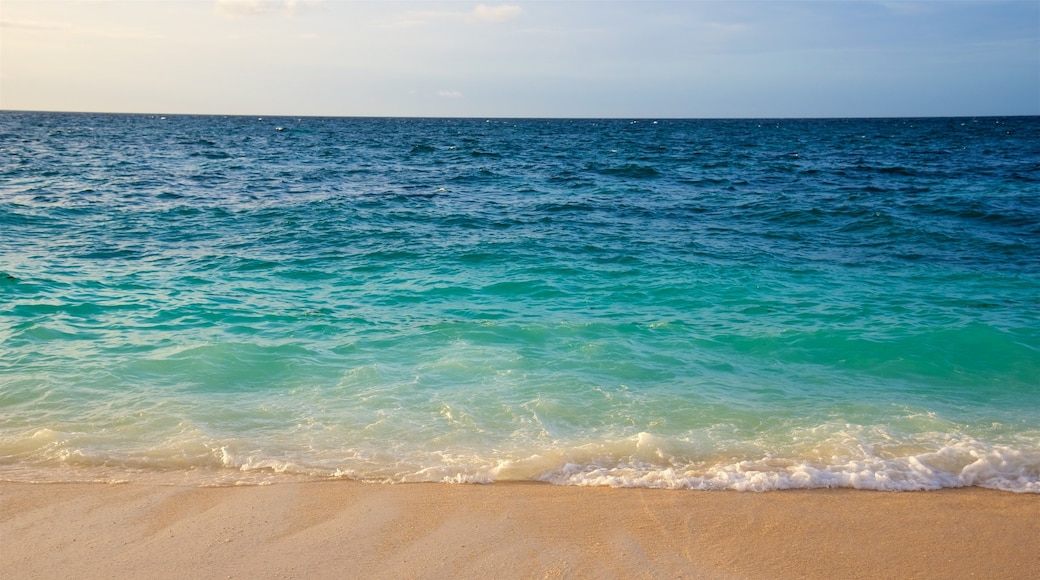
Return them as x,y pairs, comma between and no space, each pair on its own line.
752,304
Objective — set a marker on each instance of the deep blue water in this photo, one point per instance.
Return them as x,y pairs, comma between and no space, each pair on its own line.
746,304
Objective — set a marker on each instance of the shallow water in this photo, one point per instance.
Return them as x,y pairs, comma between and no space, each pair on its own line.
748,304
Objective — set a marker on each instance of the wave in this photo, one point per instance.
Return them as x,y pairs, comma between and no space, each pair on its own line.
642,461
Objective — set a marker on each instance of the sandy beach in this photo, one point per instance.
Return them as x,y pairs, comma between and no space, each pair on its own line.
510,530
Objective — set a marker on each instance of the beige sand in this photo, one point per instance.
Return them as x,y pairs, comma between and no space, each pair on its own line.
348,529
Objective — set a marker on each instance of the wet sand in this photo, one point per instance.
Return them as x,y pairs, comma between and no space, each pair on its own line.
341,529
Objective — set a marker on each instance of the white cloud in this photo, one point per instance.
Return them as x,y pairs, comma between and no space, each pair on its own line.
244,7
500,13
67,29
34,25
238,8
481,13
449,94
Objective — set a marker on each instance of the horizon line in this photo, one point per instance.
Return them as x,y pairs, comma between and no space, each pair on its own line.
519,118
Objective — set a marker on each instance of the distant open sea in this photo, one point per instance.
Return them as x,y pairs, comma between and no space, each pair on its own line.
704,304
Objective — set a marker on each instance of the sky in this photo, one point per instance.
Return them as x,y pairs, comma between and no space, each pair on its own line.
591,58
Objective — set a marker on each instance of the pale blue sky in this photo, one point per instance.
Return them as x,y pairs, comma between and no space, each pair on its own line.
523,59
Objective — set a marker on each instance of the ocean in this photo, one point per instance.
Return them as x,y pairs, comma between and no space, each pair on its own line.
700,304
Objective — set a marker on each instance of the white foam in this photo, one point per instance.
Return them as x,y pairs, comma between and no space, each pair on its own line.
825,456
963,463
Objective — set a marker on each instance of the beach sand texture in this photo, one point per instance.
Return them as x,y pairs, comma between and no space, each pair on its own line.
344,529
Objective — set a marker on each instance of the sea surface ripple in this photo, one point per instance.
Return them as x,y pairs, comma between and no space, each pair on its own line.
705,304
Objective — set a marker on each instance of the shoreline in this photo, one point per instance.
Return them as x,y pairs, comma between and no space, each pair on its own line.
510,529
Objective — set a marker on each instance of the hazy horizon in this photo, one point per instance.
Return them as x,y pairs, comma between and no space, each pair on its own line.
581,60
263,116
